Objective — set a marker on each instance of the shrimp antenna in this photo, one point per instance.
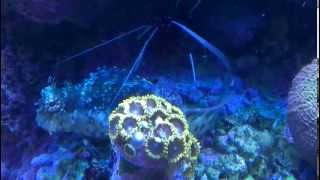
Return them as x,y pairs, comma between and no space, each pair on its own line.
177,3
144,32
193,68
134,67
195,6
104,43
215,51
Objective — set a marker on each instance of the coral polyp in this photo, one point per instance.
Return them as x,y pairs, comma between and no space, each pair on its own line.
149,132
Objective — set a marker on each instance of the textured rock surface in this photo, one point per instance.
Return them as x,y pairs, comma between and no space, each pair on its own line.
248,152
82,108
303,111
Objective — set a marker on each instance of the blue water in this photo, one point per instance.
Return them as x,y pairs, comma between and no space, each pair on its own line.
228,66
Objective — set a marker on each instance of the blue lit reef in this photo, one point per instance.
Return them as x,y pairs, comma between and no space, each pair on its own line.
185,89
244,136
242,132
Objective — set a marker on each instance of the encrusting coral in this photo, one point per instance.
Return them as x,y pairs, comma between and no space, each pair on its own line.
150,133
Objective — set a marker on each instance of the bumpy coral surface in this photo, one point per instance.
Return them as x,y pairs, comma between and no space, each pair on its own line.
248,152
303,111
149,132
82,108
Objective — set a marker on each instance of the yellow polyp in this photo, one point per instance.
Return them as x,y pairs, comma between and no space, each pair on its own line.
194,148
179,119
151,154
183,152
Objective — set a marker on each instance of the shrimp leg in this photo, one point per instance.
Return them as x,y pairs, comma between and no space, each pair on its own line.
193,68
134,67
104,43
215,51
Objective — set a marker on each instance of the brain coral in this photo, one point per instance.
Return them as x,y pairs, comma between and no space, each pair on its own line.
150,133
303,111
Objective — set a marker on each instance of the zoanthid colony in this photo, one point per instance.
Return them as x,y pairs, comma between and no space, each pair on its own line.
149,132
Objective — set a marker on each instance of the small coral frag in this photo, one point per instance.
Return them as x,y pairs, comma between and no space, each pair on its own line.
149,132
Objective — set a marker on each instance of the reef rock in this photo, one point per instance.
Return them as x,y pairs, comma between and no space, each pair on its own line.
83,108
246,141
57,165
245,152
303,111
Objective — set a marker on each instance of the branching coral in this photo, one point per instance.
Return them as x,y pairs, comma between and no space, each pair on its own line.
152,134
